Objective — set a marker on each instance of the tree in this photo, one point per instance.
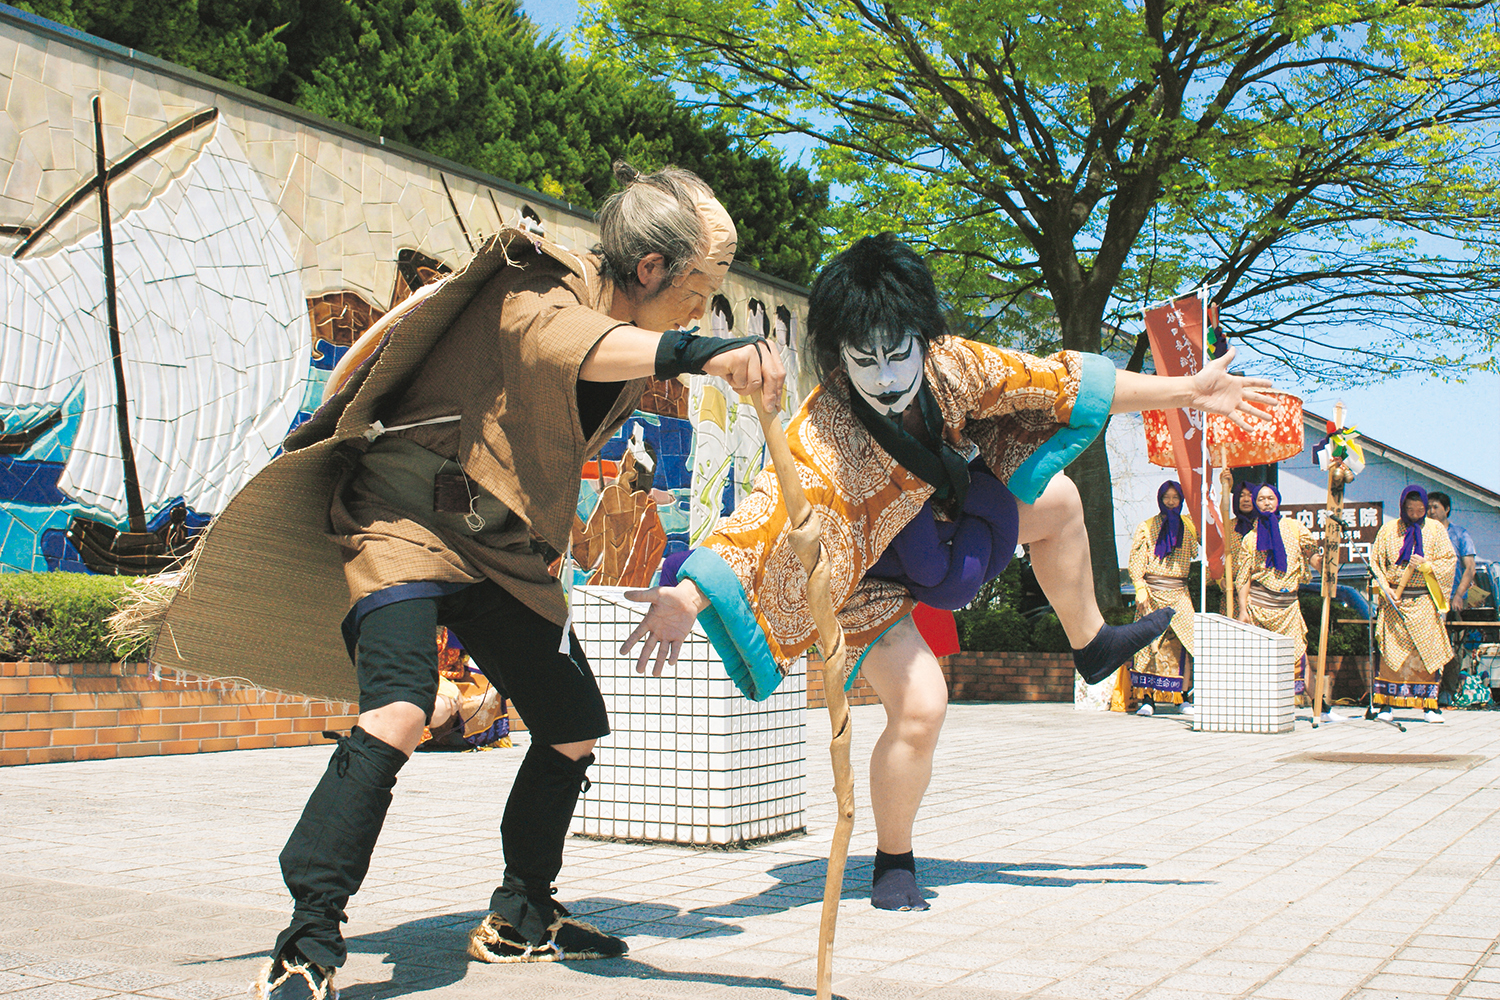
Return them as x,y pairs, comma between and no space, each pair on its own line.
474,82
1328,163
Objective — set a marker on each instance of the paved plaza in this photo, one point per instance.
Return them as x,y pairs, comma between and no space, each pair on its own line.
1070,855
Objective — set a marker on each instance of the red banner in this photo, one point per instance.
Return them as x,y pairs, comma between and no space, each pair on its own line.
1176,334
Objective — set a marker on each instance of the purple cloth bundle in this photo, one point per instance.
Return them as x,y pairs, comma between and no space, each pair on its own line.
943,563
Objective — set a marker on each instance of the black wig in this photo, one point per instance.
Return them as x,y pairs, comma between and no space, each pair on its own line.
871,295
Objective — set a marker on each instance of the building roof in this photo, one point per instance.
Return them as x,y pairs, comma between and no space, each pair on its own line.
1383,450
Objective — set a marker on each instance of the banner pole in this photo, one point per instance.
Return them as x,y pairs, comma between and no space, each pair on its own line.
1203,464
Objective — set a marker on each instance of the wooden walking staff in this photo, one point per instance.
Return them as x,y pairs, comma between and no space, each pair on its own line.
1333,539
807,541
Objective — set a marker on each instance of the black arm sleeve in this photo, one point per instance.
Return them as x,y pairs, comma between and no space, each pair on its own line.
680,353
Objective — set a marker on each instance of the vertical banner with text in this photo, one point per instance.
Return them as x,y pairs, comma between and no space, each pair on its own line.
1175,330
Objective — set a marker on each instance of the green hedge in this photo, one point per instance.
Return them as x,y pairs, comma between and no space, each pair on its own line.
59,617
998,627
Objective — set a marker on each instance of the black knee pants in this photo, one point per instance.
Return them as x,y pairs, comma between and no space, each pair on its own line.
328,854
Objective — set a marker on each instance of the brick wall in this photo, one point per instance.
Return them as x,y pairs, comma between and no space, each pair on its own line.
975,677
89,711
979,676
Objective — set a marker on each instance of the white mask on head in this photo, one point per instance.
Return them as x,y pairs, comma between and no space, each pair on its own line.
888,378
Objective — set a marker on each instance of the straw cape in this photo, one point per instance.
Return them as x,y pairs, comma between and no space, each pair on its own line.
265,594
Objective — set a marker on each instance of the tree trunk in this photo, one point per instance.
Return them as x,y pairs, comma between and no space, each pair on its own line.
1091,472
1082,323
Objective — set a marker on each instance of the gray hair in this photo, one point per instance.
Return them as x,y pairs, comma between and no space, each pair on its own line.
652,213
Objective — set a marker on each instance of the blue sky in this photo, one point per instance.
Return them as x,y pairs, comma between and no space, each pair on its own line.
1454,425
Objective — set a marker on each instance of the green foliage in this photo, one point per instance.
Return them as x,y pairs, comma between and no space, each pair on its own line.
1047,635
1330,162
60,617
997,628
1343,640
472,81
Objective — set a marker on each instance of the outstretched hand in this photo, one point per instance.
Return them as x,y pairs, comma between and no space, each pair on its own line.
1217,391
667,623
754,368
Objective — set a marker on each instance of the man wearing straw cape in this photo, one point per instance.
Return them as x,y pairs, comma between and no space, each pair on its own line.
928,458
480,450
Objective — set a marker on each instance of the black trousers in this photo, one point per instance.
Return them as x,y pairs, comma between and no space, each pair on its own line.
329,850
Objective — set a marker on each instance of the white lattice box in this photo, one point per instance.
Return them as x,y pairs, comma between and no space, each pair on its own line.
1243,677
689,760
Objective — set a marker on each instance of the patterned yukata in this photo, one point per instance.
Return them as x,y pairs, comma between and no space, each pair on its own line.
1273,603
1028,417
1161,668
1413,653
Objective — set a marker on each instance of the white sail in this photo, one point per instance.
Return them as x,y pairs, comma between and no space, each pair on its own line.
214,334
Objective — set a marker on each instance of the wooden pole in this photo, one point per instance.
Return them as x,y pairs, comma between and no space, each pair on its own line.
1333,538
1226,501
807,542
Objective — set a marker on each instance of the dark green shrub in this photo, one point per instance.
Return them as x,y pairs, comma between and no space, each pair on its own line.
59,617
1343,640
1047,635
995,629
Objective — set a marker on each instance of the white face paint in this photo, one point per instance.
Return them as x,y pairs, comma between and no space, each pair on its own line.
888,378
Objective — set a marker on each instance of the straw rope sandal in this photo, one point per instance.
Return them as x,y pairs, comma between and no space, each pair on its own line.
568,940
278,970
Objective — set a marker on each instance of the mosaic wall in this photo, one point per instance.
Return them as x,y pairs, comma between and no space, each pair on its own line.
180,270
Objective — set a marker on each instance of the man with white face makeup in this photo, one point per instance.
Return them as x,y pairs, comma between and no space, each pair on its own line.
928,458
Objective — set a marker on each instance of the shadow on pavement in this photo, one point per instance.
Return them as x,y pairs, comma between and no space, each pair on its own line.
428,953
802,881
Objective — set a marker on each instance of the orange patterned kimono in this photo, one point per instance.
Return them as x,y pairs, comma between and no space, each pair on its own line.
1027,417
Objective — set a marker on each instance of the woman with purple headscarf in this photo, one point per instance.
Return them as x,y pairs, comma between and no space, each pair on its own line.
1164,547
1274,557
1413,643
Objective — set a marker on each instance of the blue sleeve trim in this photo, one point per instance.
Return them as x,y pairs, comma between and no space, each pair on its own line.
1090,411
730,625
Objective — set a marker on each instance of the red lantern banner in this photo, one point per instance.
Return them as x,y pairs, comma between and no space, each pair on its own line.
1175,331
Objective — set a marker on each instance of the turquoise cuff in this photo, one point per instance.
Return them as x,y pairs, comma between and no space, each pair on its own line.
1096,391
854,674
730,625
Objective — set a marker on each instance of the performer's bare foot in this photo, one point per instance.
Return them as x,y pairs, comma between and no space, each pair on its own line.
1114,645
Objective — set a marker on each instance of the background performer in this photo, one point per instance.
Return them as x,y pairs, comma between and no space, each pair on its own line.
1274,559
1160,555
1413,643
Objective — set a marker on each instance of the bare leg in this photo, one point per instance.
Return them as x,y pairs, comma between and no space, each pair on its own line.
906,675
1054,528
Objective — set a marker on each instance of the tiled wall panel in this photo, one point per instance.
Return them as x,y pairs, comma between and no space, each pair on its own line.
1243,677
690,760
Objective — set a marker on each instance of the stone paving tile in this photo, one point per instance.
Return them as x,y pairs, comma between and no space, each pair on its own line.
1052,876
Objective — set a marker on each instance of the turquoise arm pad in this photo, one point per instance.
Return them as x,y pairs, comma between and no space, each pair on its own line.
1090,412
731,626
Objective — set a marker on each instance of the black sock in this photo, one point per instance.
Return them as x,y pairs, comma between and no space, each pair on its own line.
895,883
885,862
1117,644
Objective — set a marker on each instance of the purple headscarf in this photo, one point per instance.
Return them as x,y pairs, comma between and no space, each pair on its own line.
1170,535
1268,532
1243,523
1412,544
